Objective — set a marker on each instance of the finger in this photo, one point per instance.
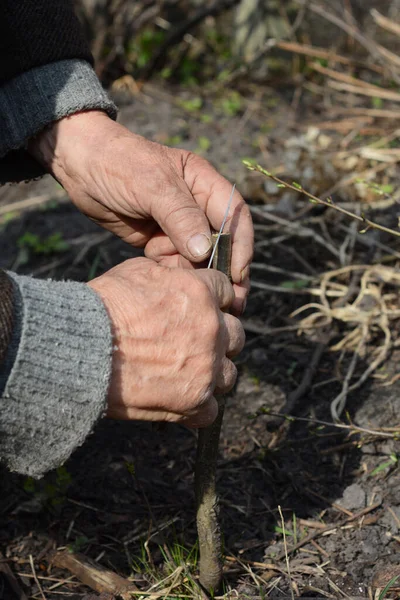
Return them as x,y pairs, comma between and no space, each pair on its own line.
205,415
236,335
212,191
219,286
122,412
162,250
133,231
185,223
175,262
241,293
159,246
226,378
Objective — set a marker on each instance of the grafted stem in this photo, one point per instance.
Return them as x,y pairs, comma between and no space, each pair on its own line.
208,526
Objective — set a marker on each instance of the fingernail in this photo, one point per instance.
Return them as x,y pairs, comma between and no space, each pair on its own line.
245,274
199,245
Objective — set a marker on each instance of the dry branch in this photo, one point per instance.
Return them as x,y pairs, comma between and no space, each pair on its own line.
329,55
378,113
342,76
385,23
93,575
9,576
371,92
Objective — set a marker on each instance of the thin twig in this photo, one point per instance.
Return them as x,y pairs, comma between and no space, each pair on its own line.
298,228
384,433
286,552
343,77
328,55
320,532
305,384
384,22
31,202
316,200
36,578
361,91
338,404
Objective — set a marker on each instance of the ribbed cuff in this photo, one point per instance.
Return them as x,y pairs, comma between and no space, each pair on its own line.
31,101
58,385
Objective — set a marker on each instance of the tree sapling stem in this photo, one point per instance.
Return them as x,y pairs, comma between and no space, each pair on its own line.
208,526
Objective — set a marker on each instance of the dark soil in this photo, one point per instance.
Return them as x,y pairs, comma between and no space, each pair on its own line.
314,473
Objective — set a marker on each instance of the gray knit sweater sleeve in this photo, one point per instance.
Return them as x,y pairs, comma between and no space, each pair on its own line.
61,366
29,102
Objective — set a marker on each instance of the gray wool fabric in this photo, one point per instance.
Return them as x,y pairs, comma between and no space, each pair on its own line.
57,388
31,101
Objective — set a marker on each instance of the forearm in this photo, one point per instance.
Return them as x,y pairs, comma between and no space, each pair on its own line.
55,372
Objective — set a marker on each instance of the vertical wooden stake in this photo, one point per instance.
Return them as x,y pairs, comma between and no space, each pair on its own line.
208,527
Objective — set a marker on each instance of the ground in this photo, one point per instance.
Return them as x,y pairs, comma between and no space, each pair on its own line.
125,498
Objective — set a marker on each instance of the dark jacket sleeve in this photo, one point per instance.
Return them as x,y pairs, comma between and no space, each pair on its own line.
45,75
38,32
6,315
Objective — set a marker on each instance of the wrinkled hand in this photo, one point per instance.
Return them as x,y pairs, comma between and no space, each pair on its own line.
159,198
173,342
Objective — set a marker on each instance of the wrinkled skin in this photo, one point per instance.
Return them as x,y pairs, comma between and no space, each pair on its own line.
174,344
173,341
163,199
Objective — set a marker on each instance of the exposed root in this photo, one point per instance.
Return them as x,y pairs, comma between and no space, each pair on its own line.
369,317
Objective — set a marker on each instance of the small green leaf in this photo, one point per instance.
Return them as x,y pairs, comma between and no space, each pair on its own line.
294,284
278,529
389,463
130,467
192,105
281,185
29,485
377,102
385,590
166,73
206,118
264,171
80,542
297,185
388,188
204,143
249,164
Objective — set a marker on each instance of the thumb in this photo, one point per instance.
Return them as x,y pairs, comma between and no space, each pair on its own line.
184,222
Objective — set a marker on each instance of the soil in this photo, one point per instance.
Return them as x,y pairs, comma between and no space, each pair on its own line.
320,475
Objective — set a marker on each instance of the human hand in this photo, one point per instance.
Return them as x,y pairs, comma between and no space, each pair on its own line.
173,342
152,196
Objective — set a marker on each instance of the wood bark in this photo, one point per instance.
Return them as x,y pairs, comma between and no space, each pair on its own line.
208,525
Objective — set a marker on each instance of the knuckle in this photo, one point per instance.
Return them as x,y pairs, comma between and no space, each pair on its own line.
227,377
191,159
200,289
231,374
200,292
200,395
239,336
213,326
